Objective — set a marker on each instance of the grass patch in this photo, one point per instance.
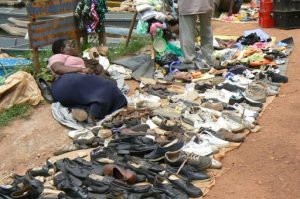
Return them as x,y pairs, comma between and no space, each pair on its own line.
15,112
135,44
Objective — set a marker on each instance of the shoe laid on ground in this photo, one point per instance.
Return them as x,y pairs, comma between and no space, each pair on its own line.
218,106
244,110
79,114
229,87
185,186
66,148
143,164
231,137
221,95
256,92
227,123
162,149
119,173
176,159
84,139
164,185
189,173
213,140
168,125
192,119
215,164
103,153
202,87
202,149
167,112
276,77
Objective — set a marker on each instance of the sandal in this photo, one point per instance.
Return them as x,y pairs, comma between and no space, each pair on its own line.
183,76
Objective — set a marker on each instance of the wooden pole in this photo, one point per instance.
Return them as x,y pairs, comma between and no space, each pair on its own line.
131,28
36,60
102,35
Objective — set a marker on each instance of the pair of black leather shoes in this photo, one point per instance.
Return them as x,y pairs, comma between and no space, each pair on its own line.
23,187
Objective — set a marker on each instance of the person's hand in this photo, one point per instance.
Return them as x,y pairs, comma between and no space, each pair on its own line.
86,71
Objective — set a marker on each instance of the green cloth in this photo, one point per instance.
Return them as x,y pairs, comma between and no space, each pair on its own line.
174,49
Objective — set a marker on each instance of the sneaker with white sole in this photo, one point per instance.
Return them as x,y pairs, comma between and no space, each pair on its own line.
192,119
215,164
229,124
213,140
203,149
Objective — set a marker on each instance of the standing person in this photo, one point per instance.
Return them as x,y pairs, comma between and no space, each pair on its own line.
189,10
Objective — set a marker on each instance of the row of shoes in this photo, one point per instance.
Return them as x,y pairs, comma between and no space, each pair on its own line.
165,140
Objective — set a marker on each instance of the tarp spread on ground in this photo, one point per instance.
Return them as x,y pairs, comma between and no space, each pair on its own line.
177,126
19,88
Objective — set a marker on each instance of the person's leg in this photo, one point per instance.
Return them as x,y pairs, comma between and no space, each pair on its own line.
206,37
216,11
187,36
237,6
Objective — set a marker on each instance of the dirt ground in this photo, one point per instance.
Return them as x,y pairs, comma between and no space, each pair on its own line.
265,166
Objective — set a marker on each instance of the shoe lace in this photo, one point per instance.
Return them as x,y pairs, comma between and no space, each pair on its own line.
194,157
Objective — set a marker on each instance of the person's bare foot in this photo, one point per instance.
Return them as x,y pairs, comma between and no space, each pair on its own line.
79,114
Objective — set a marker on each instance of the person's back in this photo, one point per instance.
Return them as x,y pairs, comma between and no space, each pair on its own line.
189,7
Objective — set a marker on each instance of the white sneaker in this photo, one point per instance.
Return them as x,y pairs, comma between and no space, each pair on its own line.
213,140
244,111
150,123
193,119
215,164
202,149
76,133
240,80
139,97
86,138
229,124
222,95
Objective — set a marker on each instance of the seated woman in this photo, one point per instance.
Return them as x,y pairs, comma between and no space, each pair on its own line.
76,87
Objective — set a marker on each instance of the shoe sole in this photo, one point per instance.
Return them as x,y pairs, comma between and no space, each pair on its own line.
204,180
156,160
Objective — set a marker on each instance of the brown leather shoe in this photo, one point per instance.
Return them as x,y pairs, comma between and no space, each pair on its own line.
232,137
119,173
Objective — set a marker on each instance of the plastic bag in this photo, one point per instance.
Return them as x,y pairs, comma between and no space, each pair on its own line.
142,27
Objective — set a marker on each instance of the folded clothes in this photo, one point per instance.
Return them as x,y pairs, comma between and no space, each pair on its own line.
146,15
144,7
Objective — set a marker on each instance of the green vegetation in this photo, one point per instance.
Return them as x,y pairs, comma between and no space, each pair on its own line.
135,44
45,72
17,111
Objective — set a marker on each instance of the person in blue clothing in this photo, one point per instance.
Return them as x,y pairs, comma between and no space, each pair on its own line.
75,87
